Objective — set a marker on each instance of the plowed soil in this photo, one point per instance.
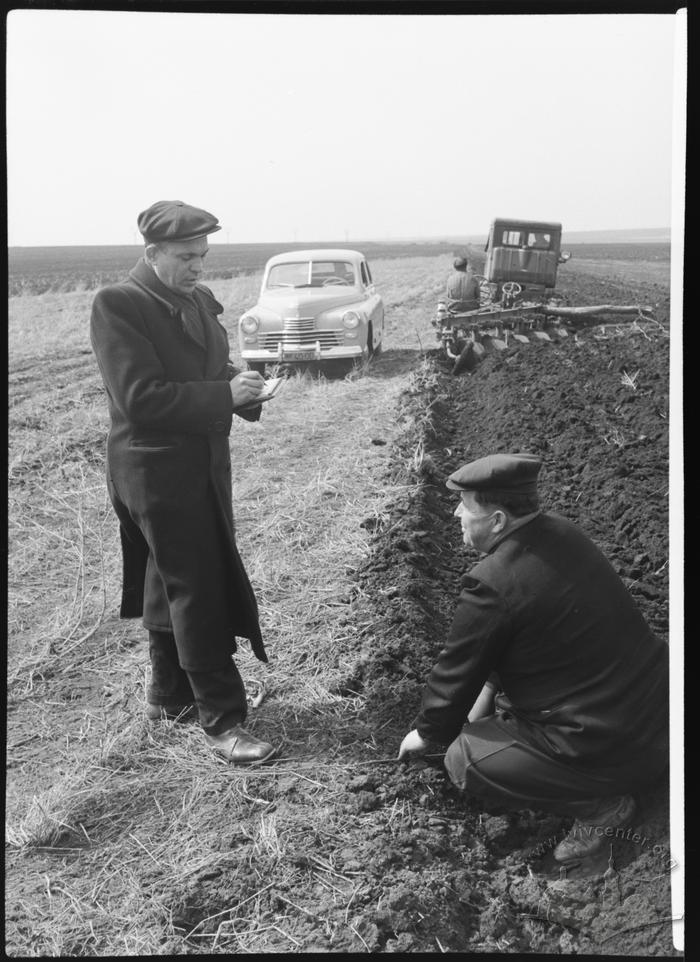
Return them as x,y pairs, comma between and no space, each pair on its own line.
404,862
605,449
449,875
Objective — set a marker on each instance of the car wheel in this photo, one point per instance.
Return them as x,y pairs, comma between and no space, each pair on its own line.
257,366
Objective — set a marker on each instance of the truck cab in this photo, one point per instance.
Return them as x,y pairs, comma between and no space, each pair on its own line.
523,252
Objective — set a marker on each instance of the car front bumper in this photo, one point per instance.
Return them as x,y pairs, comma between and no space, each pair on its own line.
290,354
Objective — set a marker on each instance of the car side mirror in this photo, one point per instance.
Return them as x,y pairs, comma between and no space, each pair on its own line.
564,257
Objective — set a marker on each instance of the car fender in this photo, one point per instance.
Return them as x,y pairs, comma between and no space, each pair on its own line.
262,313
377,314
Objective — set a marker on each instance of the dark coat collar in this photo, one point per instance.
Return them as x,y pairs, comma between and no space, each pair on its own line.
517,523
193,313
146,278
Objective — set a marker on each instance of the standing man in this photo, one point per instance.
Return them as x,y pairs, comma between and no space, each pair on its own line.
462,288
172,392
561,683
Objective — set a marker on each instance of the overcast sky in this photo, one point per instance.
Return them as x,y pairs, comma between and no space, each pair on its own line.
343,127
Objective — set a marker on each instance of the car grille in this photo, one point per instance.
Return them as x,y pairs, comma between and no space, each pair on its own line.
300,332
295,325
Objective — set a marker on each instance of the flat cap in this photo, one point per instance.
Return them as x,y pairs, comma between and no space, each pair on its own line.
171,220
509,473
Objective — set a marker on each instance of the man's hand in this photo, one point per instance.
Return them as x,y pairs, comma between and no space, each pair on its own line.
245,387
413,743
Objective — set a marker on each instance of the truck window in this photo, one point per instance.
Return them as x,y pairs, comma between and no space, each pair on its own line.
540,241
511,238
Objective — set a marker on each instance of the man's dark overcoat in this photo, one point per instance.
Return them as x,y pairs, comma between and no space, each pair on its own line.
584,678
165,366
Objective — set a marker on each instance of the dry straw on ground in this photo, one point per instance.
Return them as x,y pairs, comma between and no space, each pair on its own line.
108,794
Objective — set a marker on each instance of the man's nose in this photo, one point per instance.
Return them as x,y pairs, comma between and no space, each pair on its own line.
197,265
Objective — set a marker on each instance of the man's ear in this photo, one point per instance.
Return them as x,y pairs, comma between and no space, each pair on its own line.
150,253
500,521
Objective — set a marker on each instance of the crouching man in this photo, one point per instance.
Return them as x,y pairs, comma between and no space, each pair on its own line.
551,690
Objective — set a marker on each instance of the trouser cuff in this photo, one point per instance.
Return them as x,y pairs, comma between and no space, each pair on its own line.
219,694
220,698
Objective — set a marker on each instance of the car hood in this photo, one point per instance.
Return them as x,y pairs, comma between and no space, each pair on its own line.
307,303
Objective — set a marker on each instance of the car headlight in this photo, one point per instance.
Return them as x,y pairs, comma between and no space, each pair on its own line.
250,324
351,319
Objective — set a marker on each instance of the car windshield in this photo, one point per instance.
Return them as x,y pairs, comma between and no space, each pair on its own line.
311,274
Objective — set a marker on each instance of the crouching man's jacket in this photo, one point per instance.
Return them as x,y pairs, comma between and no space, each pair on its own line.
582,674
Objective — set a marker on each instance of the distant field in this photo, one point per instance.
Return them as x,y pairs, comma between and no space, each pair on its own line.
656,252
36,270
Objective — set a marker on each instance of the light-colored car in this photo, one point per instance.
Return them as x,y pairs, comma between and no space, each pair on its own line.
314,305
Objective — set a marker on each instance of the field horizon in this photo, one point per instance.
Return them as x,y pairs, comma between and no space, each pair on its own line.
37,270
638,235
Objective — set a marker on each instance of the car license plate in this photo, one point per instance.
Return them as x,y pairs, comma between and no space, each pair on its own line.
299,355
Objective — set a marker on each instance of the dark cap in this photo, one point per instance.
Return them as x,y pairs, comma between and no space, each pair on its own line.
509,473
171,220
460,263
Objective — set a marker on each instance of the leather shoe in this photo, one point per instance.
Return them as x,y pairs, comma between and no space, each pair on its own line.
587,836
240,747
177,713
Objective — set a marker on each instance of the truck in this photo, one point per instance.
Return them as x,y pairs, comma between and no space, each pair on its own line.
518,301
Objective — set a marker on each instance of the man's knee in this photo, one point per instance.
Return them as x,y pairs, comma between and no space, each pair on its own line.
458,763
467,754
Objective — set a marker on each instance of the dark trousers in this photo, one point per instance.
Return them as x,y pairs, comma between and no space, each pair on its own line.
492,760
219,695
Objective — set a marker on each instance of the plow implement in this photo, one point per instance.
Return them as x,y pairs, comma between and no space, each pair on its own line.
517,301
466,337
